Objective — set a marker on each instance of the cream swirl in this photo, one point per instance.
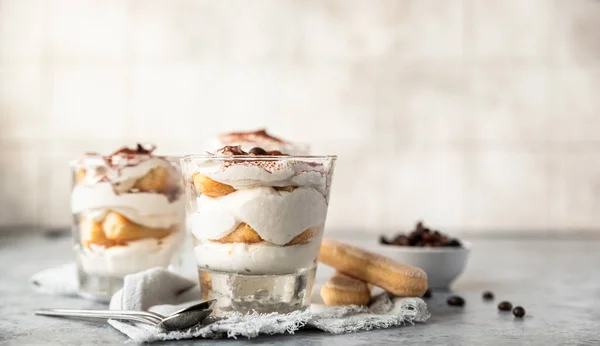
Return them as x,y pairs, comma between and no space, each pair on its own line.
277,216
245,174
261,258
138,255
124,178
149,209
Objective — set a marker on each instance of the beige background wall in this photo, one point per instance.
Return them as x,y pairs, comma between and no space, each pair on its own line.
475,115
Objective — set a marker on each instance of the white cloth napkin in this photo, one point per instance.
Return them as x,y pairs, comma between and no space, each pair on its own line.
60,280
162,291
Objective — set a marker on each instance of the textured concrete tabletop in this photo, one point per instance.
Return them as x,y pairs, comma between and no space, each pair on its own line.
556,280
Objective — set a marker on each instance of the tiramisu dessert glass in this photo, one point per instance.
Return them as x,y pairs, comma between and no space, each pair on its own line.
257,221
261,139
128,216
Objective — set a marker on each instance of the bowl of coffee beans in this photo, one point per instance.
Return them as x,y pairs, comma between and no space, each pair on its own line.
442,257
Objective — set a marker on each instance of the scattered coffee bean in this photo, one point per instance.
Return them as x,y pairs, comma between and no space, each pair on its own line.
518,311
383,240
455,301
275,153
257,151
455,243
505,306
427,294
487,295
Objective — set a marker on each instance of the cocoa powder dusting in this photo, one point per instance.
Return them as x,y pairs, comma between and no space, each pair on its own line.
260,135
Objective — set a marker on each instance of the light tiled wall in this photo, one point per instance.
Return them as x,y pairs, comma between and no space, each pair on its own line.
475,115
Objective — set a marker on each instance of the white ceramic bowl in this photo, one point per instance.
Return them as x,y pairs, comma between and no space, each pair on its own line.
442,264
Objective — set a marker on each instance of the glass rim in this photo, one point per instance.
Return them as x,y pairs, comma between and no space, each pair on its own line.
259,157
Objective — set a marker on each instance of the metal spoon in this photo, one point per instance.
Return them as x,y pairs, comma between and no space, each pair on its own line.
179,320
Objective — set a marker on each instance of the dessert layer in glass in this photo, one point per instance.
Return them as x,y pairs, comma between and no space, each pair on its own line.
256,213
128,212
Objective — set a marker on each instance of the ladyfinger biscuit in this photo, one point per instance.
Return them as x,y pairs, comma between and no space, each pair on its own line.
242,234
286,188
119,228
80,176
303,237
209,187
341,289
205,284
156,180
394,277
91,233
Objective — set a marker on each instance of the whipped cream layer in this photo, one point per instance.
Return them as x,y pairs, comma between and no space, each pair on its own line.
148,209
128,175
139,255
279,173
261,258
123,176
277,216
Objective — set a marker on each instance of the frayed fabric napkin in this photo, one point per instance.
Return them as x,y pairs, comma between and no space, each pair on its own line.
164,292
60,280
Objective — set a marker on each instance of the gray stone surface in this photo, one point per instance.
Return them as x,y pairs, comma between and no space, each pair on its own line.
556,280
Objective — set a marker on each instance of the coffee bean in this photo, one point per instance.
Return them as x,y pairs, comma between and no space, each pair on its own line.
275,153
487,295
427,237
504,306
455,243
455,301
518,311
419,227
383,240
427,294
257,151
401,240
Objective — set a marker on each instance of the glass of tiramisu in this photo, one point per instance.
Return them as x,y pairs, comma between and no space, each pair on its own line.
259,138
257,219
128,216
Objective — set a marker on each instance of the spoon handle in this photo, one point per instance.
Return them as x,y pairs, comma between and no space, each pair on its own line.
139,316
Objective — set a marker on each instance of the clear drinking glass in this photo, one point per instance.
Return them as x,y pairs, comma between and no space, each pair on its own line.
257,223
128,216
